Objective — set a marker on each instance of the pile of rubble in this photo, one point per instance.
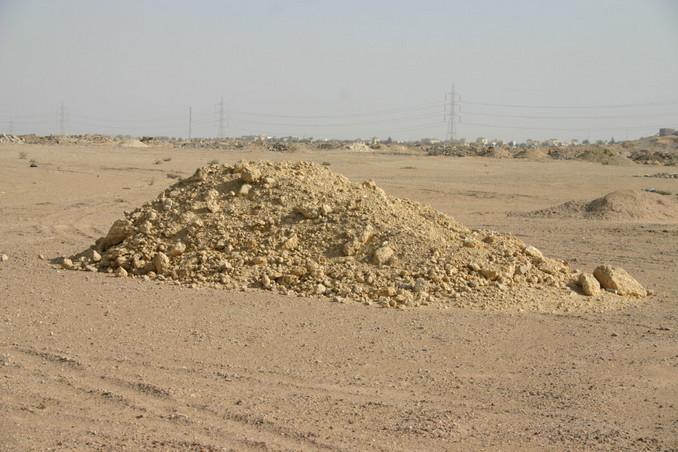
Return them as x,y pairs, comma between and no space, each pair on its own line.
298,228
10,139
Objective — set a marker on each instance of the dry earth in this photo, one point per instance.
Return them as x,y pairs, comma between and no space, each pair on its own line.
93,362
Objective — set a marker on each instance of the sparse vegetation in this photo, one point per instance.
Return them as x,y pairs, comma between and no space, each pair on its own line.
23,155
173,176
213,162
326,164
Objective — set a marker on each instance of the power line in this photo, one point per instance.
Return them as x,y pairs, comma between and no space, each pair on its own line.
562,128
648,104
353,115
658,115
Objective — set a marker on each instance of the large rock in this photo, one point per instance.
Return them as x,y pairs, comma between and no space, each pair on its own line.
617,279
119,231
589,284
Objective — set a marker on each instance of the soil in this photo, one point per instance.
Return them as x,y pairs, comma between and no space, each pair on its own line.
619,205
91,361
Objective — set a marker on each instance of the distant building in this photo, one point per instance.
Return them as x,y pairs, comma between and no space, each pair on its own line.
430,141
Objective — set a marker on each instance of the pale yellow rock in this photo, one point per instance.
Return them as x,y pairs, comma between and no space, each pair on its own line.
615,278
161,263
382,255
177,249
589,284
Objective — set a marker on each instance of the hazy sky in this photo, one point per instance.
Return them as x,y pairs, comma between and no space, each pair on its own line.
340,69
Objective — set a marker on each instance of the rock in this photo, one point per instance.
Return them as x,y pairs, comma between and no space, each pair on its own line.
589,284
291,243
121,272
490,273
420,285
67,264
307,211
382,255
250,175
119,231
351,247
177,249
91,255
4,258
244,190
161,263
533,252
615,278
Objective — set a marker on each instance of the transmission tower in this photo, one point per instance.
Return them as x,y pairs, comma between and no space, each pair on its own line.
190,121
62,120
452,113
220,134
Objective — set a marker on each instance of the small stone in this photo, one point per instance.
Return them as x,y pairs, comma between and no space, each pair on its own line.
420,285
161,263
244,190
250,175
177,249
490,273
533,252
291,243
307,211
4,258
121,272
589,284
92,255
67,264
42,257
382,255
472,243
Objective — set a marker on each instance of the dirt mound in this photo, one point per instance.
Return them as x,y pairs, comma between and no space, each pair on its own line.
12,139
531,154
359,147
298,228
131,143
619,205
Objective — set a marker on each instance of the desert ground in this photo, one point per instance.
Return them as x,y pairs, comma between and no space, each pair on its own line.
90,361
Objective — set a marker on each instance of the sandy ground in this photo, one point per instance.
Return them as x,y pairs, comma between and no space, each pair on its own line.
93,362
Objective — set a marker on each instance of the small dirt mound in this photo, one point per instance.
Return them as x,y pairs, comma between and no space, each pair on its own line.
531,154
619,205
131,143
298,228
